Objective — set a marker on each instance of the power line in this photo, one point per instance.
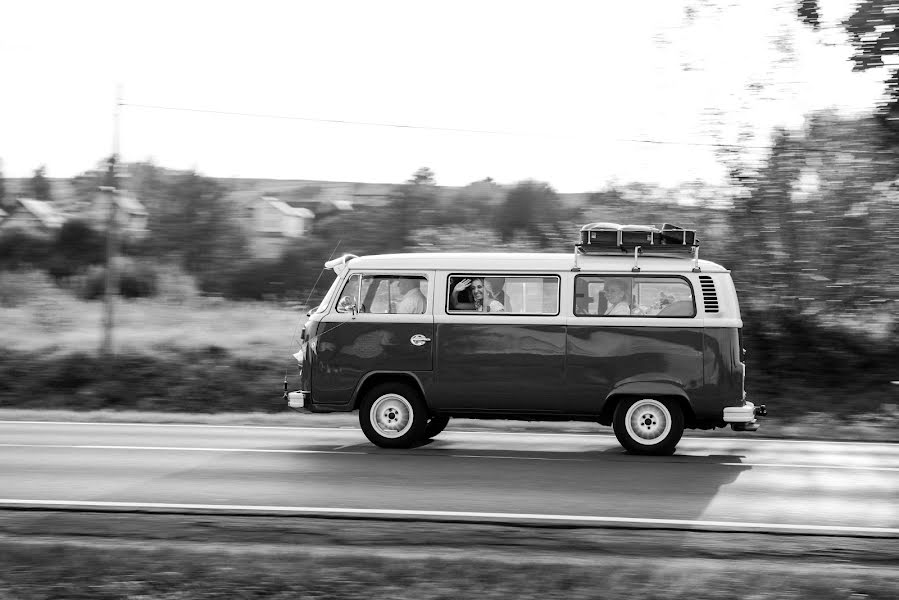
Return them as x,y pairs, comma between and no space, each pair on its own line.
321,120
483,131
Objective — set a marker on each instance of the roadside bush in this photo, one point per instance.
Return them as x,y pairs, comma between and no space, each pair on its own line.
202,381
22,250
815,367
77,247
135,280
256,281
173,284
289,277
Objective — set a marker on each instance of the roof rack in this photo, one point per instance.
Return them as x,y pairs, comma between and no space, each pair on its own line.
612,239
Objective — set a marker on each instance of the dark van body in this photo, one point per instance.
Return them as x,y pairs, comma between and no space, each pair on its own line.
665,357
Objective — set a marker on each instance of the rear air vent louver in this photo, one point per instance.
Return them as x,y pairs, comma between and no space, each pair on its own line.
709,297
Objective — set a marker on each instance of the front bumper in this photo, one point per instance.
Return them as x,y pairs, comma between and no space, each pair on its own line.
299,399
744,418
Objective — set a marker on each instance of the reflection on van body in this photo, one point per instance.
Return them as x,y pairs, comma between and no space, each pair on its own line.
413,340
500,367
600,359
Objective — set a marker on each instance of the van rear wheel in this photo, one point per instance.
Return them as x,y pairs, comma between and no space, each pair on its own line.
648,425
393,415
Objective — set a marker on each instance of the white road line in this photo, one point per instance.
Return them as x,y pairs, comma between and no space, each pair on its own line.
340,450
383,512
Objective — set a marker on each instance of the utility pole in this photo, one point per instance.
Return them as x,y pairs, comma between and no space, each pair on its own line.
110,190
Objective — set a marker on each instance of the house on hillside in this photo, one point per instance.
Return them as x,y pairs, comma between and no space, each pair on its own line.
275,224
33,216
131,216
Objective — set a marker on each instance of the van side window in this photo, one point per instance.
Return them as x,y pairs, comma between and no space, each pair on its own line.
386,294
624,296
506,294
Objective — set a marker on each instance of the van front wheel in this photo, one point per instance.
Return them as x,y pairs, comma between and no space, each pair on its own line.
393,415
648,425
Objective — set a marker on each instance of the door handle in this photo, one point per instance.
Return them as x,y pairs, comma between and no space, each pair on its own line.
419,340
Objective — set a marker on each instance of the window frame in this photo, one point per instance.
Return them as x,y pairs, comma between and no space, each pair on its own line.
481,275
361,275
633,276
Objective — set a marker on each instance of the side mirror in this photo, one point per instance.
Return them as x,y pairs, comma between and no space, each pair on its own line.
347,304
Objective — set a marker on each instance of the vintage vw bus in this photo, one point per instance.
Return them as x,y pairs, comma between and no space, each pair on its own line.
632,330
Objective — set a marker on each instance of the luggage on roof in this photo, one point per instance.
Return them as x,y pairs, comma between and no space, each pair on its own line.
625,239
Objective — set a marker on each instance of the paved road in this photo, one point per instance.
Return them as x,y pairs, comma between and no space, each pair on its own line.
739,483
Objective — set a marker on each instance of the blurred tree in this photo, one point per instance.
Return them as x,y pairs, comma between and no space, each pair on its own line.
811,231
474,205
611,199
423,176
39,185
85,184
3,204
77,246
808,13
413,206
873,29
190,220
532,207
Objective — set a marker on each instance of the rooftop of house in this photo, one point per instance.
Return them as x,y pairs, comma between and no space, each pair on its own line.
45,212
289,210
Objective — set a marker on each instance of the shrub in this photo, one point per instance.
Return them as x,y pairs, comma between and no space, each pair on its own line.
22,250
288,277
77,246
135,280
180,381
255,281
173,284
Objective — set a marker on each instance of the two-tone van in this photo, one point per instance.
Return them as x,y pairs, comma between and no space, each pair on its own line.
631,330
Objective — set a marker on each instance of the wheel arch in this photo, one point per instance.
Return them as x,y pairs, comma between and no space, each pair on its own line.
374,378
649,389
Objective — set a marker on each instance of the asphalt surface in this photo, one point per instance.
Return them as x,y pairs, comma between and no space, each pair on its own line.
732,484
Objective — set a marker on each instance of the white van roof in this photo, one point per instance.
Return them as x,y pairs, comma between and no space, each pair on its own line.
487,262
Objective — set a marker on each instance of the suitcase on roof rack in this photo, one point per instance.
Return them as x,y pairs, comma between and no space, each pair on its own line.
601,234
636,235
673,235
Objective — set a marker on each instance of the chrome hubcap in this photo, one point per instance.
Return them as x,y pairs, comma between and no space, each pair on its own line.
391,415
648,421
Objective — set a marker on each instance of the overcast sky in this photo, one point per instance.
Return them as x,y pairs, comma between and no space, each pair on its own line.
572,91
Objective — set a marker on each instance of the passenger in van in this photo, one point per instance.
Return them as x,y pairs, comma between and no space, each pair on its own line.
616,293
413,302
582,305
496,298
468,294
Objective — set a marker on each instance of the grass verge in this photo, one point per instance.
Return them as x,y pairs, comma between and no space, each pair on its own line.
76,555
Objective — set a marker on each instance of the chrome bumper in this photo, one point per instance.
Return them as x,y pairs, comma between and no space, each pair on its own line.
743,418
297,400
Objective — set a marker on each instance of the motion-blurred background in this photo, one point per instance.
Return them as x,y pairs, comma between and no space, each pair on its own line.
249,149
